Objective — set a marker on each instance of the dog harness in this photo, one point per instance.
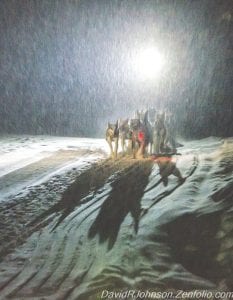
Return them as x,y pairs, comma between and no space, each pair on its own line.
141,136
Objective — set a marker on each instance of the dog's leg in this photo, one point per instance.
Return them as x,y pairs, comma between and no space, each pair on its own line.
109,141
159,143
166,139
141,150
150,147
123,144
133,143
116,147
150,144
134,149
177,173
156,143
163,139
147,149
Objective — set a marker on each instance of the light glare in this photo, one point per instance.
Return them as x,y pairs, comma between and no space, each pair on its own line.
149,63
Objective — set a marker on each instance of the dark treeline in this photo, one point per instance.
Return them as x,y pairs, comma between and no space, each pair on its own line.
64,64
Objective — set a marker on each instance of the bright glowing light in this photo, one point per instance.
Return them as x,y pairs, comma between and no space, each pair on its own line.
149,63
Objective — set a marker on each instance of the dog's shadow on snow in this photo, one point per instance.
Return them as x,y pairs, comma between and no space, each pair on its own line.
90,180
124,198
128,184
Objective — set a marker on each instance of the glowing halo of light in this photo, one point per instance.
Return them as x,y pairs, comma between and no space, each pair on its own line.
148,63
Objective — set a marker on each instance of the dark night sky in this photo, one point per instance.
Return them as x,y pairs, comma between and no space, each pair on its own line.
64,65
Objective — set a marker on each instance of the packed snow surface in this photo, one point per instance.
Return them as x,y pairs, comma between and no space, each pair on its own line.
86,223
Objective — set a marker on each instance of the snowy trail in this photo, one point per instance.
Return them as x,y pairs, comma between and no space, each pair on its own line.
118,225
29,161
41,171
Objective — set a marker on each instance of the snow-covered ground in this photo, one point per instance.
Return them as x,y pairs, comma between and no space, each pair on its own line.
114,224
31,160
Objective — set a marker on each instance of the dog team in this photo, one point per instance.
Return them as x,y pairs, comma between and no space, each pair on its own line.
146,133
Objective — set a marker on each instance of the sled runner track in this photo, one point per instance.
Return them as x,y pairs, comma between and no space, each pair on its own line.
52,265
169,192
46,269
78,280
42,247
61,274
66,213
2,287
104,280
88,215
54,277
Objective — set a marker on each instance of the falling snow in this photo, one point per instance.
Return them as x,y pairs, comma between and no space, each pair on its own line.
65,66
